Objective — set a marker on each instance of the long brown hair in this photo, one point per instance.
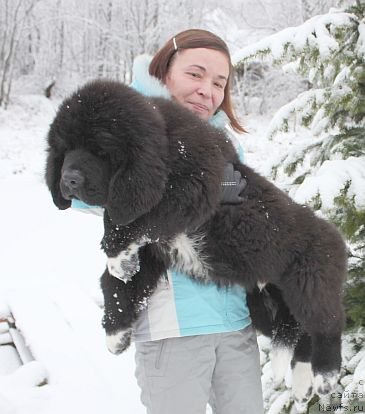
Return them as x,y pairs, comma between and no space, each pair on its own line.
192,39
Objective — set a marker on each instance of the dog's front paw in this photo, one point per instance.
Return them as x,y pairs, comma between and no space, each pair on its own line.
325,382
119,341
126,264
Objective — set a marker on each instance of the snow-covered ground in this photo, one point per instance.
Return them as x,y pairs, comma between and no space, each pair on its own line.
50,268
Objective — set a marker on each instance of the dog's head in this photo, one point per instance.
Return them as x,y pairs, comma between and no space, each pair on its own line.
107,146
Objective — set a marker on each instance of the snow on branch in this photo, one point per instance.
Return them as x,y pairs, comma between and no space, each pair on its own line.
299,108
360,47
316,32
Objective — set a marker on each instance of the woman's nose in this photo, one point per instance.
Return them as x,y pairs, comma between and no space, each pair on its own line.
205,89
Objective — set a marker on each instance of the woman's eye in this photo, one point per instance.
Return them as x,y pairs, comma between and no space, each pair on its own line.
194,74
218,85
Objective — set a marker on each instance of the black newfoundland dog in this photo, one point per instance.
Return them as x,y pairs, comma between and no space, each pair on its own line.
157,168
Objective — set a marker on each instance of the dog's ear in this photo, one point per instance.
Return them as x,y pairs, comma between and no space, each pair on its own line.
135,190
53,177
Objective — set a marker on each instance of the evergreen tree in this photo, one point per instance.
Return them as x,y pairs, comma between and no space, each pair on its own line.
323,130
326,127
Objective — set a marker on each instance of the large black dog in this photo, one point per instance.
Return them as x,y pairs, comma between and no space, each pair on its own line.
157,168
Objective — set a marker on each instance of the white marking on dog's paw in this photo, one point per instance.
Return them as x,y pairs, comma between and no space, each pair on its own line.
118,342
302,384
280,361
126,264
325,383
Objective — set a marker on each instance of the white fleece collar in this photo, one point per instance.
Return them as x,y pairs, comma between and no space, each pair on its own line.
143,82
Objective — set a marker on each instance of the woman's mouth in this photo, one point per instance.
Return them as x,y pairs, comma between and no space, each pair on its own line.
197,107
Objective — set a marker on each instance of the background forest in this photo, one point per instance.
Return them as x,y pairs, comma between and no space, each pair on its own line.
65,42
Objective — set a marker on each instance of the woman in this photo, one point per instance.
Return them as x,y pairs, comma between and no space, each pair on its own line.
194,342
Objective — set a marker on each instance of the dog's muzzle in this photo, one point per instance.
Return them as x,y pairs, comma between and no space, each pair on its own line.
71,183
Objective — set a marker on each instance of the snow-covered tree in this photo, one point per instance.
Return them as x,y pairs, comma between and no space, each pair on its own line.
327,123
324,129
13,18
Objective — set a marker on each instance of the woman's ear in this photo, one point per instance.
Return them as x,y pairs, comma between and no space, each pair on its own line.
53,177
135,190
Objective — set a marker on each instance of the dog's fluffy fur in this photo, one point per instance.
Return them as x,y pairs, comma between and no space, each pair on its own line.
156,168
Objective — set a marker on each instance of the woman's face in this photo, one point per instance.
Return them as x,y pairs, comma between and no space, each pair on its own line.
197,78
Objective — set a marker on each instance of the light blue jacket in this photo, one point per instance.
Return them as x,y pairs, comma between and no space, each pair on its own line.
181,306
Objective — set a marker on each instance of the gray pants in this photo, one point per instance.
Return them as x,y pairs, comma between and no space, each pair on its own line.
181,375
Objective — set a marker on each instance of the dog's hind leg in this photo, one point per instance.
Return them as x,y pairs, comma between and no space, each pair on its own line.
315,302
123,301
326,361
271,317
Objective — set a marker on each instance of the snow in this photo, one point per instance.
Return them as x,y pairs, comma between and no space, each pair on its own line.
9,359
295,110
280,403
313,31
360,47
342,76
330,178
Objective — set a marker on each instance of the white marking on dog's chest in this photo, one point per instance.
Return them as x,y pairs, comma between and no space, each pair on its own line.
187,257
261,285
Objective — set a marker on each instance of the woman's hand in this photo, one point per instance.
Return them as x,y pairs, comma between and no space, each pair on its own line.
232,186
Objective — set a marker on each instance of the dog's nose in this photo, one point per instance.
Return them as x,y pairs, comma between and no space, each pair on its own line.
73,179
